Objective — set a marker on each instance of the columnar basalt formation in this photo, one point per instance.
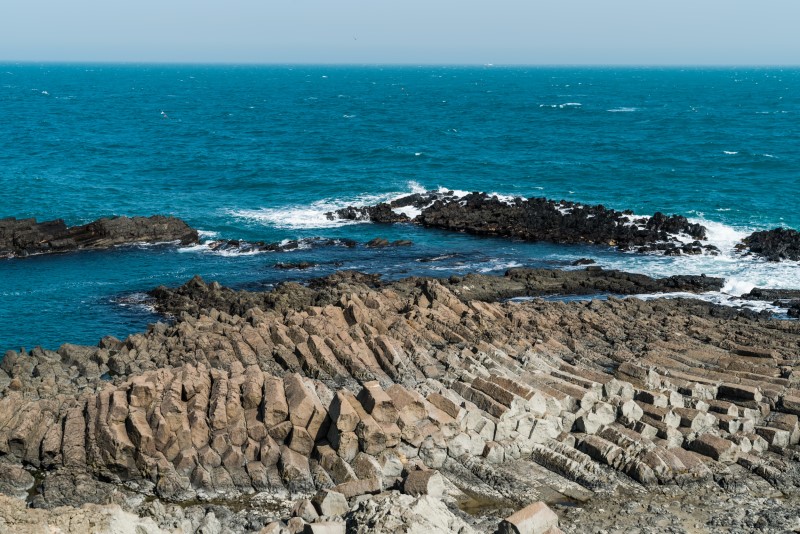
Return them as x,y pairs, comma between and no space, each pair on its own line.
23,237
344,391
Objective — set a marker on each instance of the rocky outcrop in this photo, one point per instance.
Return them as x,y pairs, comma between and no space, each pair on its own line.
23,237
196,294
783,298
540,219
349,388
236,246
774,245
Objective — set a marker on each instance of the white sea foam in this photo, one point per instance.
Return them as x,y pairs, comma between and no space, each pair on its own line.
563,209
622,110
496,265
717,298
309,216
207,234
561,106
201,247
730,152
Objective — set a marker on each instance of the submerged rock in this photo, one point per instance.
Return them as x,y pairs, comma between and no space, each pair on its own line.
23,237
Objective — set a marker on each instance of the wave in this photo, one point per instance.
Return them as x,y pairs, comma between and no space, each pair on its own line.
139,301
741,272
314,215
562,106
622,110
730,152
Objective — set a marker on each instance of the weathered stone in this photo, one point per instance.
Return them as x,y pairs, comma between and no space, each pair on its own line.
536,518
330,503
427,482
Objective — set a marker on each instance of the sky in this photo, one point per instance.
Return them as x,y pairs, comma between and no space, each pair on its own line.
530,32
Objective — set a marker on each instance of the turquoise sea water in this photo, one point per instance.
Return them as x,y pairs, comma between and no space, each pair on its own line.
261,153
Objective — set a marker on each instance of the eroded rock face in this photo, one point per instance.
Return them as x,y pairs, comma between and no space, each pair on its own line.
541,219
775,245
23,237
353,387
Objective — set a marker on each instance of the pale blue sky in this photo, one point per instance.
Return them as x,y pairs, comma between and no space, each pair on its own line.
408,31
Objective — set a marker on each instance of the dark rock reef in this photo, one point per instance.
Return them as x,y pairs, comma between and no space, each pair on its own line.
540,219
361,406
24,237
775,245
785,298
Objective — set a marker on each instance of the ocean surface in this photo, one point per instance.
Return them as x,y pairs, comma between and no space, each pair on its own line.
262,153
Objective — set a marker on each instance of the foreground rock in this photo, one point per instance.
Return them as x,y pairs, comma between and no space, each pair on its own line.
16,518
349,388
775,245
23,237
540,219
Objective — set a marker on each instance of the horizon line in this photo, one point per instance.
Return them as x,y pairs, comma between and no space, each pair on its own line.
392,64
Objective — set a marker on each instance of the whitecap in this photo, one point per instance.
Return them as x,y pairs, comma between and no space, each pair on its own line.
200,247
622,110
314,215
716,297
207,234
768,155
730,152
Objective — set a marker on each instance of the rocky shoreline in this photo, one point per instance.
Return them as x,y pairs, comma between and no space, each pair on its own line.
24,237
421,405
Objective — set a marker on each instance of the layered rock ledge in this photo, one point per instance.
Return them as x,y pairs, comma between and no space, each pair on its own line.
540,219
336,406
24,237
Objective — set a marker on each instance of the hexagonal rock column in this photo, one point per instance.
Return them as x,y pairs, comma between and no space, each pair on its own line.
536,518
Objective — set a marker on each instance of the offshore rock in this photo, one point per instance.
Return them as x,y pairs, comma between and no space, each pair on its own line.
24,237
775,245
541,219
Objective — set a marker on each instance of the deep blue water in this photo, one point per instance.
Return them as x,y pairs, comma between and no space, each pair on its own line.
262,152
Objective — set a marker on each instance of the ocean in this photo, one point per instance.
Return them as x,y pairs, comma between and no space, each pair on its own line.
263,152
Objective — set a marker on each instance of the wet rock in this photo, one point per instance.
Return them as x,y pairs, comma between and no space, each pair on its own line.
300,265
23,237
775,245
540,219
